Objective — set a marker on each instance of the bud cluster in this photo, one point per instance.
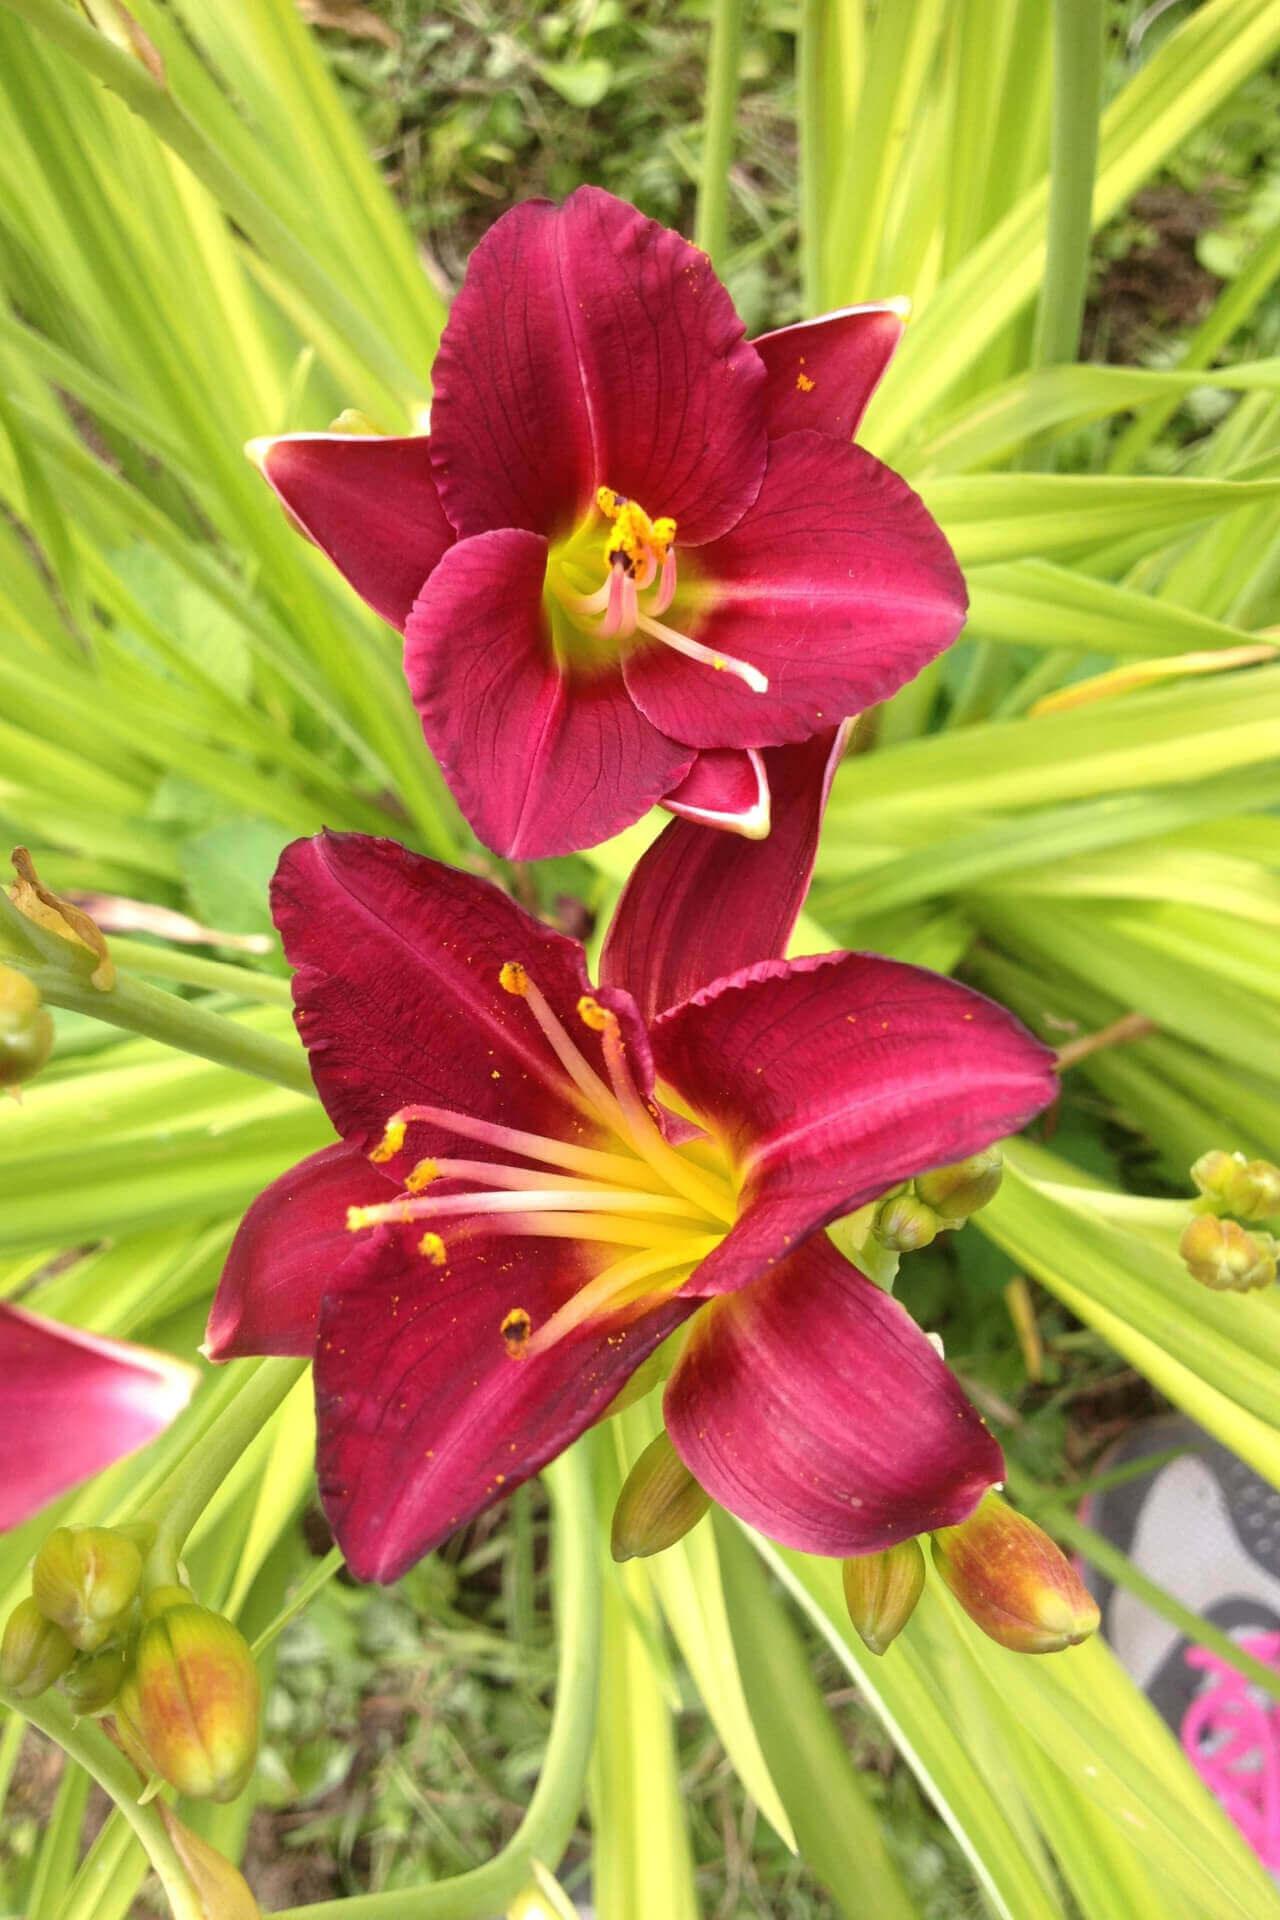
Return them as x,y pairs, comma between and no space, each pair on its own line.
177,1678
1219,1251
913,1215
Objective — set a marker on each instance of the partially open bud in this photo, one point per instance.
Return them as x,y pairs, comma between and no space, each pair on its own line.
195,1700
1013,1582
1222,1255
881,1590
905,1223
956,1191
659,1502
85,1578
26,1029
1229,1183
92,1684
34,1653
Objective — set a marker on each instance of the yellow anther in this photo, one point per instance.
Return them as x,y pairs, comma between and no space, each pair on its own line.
432,1248
516,1329
593,1015
422,1175
390,1144
358,1218
609,502
633,537
513,978
664,533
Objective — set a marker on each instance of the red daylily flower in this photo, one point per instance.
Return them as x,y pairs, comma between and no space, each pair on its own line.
538,1181
72,1403
638,548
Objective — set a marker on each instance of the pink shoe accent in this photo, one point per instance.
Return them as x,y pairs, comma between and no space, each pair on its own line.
1231,1735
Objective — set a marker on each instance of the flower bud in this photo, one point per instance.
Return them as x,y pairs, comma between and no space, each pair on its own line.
1013,1582
26,1028
351,420
195,1701
881,1590
905,1223
1229,1183
1220,1254
92,1684
34,1653
85,1578
956,1191
660,1501
221,1889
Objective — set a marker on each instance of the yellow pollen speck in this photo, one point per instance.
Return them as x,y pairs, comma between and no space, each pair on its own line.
390,1144
593,1015
512,978
516,1329
422,1175
432,1248
804,383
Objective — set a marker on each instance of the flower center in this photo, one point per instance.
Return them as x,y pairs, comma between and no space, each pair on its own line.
670,1205
639,585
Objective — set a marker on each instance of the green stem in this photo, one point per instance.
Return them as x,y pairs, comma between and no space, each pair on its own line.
154,104
712,227
811,118
1078,27
552,1814
194,970
90,1748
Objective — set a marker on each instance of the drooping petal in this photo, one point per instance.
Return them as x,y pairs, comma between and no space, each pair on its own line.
700,905
370,503
831,1079
398,999
588,346
823,372
813,1407
72,1403
727,788
424,1417
287,1253
544,757
838,585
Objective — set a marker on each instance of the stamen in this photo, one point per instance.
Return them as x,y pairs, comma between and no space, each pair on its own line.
591,1161
571,1057
515,1332
532,1200
707,656
667,584
620,616
391,1142
628,1282
422,1175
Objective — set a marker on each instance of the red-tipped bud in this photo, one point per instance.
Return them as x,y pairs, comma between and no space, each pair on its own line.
26,1029
85,1579
34,1653
92,1684
1222,1255
959,1190
905,1223
660,1501
1229,1183
881,1590
1013,1582
195,1699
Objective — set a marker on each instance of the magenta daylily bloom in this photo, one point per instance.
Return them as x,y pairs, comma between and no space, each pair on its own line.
72,1403
537,1182
638,548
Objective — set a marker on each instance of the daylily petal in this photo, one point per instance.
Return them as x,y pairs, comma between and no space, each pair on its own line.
286,1255
725,787
823,372
813,1407
424,1417
831,1079
590,346
398,999
700,905
543,758
838,585
370,503
72,1403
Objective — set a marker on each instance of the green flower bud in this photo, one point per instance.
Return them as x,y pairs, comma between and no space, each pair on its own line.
160,1599
1221,1255
881,1590
1013,1581
26,1029
660,1501
85,1578
957,1191
92,1684
1229,1183
905,1223
34,1652
195,1701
